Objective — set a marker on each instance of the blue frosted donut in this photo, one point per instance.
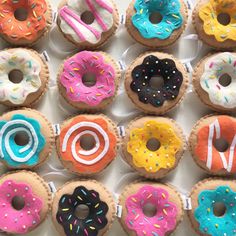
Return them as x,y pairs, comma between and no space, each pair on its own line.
12,153
171,18
211,224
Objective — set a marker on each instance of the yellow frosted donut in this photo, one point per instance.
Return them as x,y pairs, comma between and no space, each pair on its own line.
153,145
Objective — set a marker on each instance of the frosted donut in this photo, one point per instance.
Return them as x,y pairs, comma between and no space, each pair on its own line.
215,82
156,23
148,70
212,144
213,207
67,215
89,80
215,23
23,77
26,139
87,143
24,22
88,23
25,200
153,146
150,209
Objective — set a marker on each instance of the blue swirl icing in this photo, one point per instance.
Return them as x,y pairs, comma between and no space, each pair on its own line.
171,18
211,224
13,154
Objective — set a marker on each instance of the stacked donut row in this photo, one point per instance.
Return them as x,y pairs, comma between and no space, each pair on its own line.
90,23
148,208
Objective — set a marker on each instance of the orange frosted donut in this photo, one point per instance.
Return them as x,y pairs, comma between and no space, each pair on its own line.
23,22
87,143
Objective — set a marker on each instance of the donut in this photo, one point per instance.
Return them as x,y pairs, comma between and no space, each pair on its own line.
26,139
213,207
23,77
153,146
83,208
215,82
89,80
25,200
156,82
150,209
212,144
215,22
88,23
24,22
156,23
87,144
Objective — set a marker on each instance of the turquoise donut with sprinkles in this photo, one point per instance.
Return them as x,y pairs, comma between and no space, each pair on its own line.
209,222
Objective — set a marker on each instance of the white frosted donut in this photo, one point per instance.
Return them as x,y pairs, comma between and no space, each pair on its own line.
215,67
73,26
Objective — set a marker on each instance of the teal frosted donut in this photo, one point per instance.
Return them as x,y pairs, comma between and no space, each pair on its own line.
158,20
214,207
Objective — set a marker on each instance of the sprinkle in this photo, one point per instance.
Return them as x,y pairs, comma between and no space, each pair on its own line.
136,217
83,192
71,227
96,206
163,195
131,222
149,196
208,209
66,209
77,231
165,212
157,226
100,212
71,90
141,11
216,225
86,232
134,200
154,234
79,198
69,217
88,221
76,69
91,227
175,16
35,15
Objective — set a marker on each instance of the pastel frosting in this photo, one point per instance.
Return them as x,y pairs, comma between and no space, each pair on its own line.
13,154
162,222
172,18
211,224
81,64
18,221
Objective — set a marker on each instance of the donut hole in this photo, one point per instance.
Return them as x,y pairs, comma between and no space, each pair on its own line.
87,142
221,144
219,209
82,211
21,14
18,203
224,18
89,79
21,138
149,210
155,17
225,80
153,144
87,17
156,82
16,76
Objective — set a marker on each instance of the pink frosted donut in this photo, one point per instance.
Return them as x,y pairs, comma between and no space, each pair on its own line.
89,80
21,218
167,209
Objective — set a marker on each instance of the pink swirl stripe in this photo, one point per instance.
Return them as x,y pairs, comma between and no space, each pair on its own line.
158,225
18,221
104,5
88,62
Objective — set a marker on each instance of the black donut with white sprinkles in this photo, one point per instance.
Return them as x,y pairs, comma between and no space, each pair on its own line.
151,67
95,221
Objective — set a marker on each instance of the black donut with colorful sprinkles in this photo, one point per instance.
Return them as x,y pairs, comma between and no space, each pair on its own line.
143,82
74,226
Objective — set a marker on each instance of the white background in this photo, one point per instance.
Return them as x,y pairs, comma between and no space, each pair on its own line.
119,174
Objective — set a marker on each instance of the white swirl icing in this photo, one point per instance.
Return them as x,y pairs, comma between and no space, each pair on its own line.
215,67
78,7
18,59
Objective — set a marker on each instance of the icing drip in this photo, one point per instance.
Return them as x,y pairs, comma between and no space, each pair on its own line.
151,67
81,64
88,160
153,161
158,225
74,226
171,18
27,29
215,67
71,23
211,224
14,154
223,127
18,221
18,60
209,13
